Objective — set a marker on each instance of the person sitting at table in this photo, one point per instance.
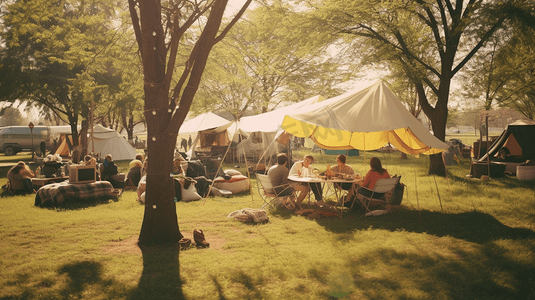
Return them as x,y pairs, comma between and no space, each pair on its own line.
342,168
297,170
278,175
108,169
19,177
376,172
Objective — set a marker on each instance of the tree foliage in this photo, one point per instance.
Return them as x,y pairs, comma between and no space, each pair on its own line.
59,54
270,56
431,41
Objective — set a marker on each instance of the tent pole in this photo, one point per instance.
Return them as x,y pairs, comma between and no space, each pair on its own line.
438,193
416,189
487,142
219,167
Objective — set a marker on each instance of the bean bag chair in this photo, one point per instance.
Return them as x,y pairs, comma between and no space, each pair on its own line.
236,184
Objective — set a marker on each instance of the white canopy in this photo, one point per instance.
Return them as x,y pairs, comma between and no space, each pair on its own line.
108,141
365,120
204,122
271,121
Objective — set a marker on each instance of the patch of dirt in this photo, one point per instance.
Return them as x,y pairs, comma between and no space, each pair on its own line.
128,246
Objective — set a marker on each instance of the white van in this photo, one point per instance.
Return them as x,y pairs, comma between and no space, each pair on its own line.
14,139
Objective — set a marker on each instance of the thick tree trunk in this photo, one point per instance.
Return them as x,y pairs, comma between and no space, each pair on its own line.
438,116
160,223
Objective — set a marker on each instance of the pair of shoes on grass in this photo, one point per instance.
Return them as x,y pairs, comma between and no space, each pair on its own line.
198,237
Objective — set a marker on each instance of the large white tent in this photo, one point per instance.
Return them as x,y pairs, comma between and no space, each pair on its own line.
108,141
365,120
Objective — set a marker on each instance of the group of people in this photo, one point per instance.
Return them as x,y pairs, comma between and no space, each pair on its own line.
279,173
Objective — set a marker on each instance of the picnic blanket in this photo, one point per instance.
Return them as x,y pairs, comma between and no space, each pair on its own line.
249,215
56,194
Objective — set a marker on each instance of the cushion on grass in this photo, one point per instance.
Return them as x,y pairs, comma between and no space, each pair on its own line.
232,172
234,185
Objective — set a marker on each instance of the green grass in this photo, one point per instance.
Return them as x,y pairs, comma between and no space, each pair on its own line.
468,239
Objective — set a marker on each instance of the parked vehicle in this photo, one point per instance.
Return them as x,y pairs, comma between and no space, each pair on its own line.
15,139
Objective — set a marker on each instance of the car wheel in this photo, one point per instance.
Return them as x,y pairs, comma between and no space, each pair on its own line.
8,151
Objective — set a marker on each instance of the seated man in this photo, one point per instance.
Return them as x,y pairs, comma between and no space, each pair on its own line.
342,168
297,170
278,175
108,169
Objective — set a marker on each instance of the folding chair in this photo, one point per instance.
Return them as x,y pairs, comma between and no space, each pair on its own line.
268,194
384,187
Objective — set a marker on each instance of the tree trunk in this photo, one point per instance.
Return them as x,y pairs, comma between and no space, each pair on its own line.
160,222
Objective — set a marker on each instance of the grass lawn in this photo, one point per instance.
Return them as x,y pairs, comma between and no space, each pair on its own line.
452,238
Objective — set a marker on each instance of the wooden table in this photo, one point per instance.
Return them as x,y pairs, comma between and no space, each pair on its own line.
338,193
44,181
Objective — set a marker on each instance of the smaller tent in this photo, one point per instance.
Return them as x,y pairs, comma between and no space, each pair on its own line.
108,141
212,134
518,137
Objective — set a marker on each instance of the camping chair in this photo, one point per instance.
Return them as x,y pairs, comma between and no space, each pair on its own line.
384,186
267,192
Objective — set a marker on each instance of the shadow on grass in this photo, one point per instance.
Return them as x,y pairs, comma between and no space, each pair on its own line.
81,275
471,226
78,204
431,276
161,274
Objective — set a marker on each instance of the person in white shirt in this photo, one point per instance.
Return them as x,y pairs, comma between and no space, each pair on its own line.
304,168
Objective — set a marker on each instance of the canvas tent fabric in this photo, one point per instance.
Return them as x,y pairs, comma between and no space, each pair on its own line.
108,141
366,120
518,137
271,121
261,129
209,130
204,122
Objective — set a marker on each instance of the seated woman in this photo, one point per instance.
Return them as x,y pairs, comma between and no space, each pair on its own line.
134,174
376,172
19,178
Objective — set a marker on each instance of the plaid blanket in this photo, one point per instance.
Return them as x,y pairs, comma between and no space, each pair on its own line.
249,215
57,193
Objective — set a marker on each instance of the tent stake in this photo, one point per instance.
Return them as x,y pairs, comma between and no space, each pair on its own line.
438,193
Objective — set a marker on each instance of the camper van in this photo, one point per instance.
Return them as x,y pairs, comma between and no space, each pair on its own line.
14,139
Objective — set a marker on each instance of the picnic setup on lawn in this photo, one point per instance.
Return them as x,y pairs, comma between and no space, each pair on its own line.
262,188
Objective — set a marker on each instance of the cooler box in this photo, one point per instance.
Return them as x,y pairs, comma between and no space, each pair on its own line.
351,152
